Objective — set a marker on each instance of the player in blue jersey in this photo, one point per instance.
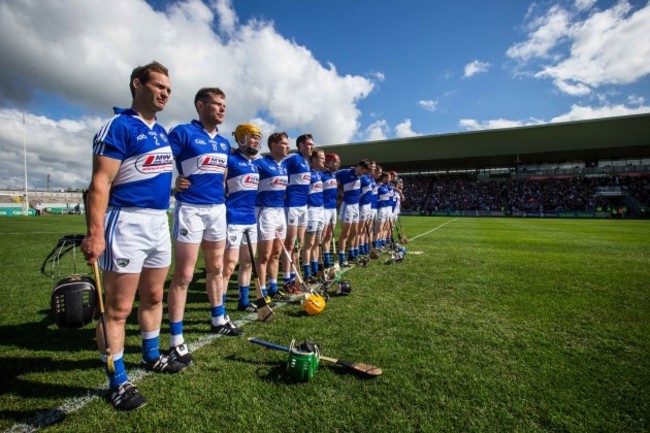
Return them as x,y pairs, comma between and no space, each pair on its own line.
200,215
376,177
330,193
242,183
383,210
127,226
349,180
271,222
315,217
296,199
365,210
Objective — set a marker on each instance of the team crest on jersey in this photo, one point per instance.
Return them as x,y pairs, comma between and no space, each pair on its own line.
154,163
122,263
214,163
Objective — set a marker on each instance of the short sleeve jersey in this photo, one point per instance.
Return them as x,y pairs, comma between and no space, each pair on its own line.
315,197
366,190
273,182
299,173
330,190
202,158
351,185
241,183
383,199
145,174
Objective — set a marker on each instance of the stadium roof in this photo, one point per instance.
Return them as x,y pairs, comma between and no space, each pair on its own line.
588,140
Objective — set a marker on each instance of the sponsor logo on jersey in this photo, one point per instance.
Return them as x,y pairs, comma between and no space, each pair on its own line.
122,263
305,178
141,137
213,163
279,182
154,163
249,181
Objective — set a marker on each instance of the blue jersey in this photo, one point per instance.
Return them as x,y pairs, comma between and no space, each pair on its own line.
315,197
374,197
144,178
351,185
241,183
202,158
383,196
391,196
330,190
299,178
366,190
273,182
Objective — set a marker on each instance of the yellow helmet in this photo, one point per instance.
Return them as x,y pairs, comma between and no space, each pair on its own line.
314,304
245,130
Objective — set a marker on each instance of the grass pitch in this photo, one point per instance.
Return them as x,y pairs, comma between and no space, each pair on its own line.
488,325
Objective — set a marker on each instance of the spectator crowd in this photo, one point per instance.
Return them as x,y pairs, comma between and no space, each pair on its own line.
464,192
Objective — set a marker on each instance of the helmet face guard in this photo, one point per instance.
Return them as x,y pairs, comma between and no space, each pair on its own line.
74,302
345,288
303,361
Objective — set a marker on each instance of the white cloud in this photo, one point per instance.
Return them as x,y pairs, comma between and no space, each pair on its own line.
404,130
377,131
475,67
379,76
635,100
544,33
428,104
74,52
475,125
608,47
579,112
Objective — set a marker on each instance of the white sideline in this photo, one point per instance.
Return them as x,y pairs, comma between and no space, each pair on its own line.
432,230
50,417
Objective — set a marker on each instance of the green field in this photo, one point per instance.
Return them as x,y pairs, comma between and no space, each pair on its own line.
489,325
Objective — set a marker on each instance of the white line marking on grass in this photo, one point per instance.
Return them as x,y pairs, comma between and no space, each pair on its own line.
433,230
52,416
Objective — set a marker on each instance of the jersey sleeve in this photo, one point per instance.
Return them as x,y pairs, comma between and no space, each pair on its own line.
112,139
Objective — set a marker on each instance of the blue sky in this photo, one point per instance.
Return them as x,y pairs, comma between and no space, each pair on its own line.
347,71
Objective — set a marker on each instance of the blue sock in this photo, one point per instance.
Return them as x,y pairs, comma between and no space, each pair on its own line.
341,257
243,295
306,270
176,334
350,255
327,260
150,343
273,287
120,376
293,276
314,268
265,293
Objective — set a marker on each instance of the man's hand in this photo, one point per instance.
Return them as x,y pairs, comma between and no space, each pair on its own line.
182,183
92,247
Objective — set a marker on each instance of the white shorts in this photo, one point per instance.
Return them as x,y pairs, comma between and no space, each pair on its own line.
384,214
374,214
136,238
350,213
270,220
315,218
365,212
236,237
194,223
329,217
296,216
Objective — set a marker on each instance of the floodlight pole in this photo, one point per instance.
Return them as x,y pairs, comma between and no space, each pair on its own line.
26,205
